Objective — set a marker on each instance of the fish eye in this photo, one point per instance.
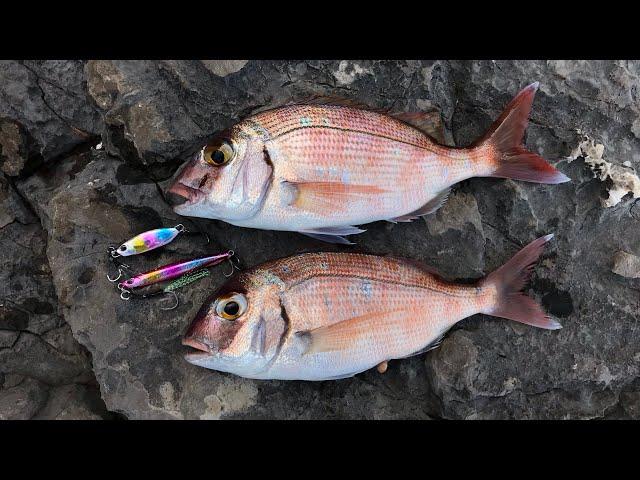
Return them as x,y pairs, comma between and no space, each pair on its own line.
219,154
231,306
122,248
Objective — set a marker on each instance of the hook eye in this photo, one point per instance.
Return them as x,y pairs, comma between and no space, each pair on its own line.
113,252
125,294
176,299
180,228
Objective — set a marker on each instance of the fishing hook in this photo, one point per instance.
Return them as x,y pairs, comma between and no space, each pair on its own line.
176,299
233,266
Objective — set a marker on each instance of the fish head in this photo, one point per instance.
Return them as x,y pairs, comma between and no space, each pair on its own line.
238,329
227,179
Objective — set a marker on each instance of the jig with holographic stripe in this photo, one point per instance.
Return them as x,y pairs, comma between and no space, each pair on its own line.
169,289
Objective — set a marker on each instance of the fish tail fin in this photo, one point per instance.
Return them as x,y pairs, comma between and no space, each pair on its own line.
509,280
504,140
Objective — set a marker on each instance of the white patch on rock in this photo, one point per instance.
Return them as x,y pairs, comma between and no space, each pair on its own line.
604,375
233,395
345,77
222,68
167,394
625,180
626,265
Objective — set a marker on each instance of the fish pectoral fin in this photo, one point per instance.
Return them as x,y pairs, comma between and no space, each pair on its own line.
323,197
431,206
429,123
333,234
345,334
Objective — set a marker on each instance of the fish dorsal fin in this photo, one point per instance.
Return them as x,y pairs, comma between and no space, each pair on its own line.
418,264
322,197
431,206
343,335
337,101
429,123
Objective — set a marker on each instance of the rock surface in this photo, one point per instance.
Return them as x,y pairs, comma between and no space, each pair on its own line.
64,202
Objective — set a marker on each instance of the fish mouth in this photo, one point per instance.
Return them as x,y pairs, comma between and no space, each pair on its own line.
182,195
201,349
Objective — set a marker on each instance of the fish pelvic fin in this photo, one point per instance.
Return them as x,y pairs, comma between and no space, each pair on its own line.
504,144
509,280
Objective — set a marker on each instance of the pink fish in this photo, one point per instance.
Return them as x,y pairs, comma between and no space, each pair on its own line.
323,316
323,169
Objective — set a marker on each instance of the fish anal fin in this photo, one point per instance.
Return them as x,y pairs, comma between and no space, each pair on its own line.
318,197
333,234
429,123
431,346
431,206
344,334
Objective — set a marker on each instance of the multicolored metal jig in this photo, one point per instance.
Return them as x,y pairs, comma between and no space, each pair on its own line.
172,270
147,241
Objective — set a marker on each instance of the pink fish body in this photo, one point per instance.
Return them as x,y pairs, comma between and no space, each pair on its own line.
322,169
323,316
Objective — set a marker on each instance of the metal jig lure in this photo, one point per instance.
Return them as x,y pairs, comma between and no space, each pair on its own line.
147,241
185,272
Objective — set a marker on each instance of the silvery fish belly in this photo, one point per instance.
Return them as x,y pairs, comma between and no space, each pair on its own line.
323,169
323,316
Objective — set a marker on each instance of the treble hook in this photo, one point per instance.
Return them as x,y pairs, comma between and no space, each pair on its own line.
176,299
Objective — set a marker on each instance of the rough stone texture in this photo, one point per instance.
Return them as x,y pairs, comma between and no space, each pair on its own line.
44,112
38,353
153,114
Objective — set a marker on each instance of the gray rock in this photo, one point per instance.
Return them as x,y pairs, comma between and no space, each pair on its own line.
37,348
44,112
22,401
154,114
